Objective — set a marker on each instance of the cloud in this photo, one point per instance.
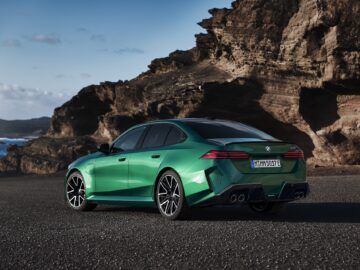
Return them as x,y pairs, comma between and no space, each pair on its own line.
21,102
85,75
50,39
81,29
36,95
128,50
13,43
98,38
60,76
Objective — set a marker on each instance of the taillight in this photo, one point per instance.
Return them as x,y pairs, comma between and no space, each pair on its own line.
213,154
294,154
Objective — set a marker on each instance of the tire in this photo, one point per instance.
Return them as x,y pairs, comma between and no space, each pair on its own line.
75,193
268,207
170,196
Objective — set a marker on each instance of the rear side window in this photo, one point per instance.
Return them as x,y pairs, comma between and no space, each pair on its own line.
156,135
213,130
175,136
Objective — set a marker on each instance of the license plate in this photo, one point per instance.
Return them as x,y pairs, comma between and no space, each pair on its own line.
265,163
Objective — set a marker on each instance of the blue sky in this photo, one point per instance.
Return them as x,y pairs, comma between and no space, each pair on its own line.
49,50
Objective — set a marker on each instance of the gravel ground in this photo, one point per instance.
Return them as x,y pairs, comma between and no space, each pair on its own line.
38,231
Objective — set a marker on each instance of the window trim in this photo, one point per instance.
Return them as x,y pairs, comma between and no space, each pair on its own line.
142,138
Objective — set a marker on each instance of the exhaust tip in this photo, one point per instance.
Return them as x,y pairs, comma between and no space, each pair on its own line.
233,198
241,197
299,195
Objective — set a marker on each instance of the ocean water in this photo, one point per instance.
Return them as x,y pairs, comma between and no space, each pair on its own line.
5,142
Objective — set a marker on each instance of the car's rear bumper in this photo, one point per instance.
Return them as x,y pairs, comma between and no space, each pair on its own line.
252,193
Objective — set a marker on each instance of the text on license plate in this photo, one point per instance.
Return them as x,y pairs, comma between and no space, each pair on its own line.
266,163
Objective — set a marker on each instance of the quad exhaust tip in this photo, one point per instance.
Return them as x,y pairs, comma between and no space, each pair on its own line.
237,198
299,195
241,197
233,198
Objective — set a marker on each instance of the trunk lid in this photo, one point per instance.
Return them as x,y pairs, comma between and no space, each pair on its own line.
260,152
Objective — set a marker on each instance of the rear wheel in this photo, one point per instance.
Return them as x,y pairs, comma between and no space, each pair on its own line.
170,196
75,193
268,207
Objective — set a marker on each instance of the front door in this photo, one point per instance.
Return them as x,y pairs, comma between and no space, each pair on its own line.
112,171
112,174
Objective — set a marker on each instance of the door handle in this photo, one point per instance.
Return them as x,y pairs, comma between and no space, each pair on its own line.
122,159
155,156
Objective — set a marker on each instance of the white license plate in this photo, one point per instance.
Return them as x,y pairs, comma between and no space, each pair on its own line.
265,163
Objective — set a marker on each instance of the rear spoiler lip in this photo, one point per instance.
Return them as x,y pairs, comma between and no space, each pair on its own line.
244,142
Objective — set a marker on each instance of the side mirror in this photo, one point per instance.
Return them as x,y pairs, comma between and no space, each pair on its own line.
104,148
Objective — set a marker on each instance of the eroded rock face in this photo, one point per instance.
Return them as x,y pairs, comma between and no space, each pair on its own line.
305,55
289,67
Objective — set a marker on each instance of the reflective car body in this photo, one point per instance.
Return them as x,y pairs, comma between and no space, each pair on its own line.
212,163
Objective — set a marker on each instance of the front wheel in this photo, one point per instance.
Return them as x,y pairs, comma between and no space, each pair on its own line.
170,197
268,207
75,193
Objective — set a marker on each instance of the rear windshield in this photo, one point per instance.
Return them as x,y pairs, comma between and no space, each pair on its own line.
217,130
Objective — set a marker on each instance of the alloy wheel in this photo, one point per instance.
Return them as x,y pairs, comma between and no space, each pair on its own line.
75,191
168,194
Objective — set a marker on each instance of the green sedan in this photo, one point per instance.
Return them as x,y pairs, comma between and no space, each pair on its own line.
178,164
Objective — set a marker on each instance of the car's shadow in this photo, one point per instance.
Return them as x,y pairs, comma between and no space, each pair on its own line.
328,212
294,212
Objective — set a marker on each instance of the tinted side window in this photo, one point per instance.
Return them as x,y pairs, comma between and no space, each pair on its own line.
128,141
156,135
175,136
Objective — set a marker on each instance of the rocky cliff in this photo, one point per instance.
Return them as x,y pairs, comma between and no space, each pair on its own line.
289,67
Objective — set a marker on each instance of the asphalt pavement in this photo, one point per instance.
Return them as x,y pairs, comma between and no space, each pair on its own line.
37,231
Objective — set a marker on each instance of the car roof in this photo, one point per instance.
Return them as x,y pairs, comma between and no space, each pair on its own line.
182,121
191,119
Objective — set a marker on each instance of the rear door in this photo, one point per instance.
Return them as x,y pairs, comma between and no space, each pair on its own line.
144,163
